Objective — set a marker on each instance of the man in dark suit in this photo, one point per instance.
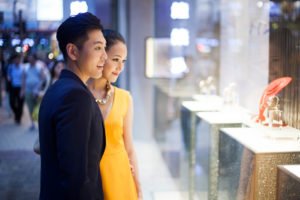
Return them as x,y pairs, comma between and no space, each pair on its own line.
71,130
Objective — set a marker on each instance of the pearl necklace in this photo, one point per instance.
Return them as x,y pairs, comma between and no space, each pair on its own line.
105,99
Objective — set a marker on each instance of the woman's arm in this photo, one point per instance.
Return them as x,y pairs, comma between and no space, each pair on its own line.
130,149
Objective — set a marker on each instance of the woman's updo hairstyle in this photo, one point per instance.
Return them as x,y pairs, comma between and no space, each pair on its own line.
112,37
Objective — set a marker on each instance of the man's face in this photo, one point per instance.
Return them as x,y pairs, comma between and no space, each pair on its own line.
92,55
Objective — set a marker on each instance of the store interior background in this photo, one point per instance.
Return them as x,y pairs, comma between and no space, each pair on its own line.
245,42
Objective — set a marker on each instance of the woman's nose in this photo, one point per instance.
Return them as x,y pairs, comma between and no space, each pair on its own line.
120,66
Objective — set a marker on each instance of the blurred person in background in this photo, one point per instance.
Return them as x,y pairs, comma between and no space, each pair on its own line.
1,78
2,64
6,62
55,71
46,73
33,78
119,165
14,77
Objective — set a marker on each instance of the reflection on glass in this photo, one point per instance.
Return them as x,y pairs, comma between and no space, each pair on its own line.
284,59
78,7
180,37
230,95
246,181
159,60
207,87
180,10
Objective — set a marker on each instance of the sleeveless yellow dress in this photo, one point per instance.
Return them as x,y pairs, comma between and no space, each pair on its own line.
117,179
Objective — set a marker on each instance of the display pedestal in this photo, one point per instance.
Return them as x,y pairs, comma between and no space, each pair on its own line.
288,182
205,151
188,116
167,101
249,158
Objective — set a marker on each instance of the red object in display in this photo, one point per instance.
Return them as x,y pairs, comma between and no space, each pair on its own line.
272,89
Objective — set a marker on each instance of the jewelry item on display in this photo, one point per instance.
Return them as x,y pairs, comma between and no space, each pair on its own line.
104,100
272,89
274,115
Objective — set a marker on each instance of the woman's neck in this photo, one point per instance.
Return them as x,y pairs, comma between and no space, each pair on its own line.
98,84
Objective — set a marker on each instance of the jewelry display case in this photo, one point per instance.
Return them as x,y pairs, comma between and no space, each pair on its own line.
288,182
248,160
188,121
204,153
167,106
203,103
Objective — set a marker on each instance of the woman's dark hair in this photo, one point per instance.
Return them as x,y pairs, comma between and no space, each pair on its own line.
75,30
52,71
112,37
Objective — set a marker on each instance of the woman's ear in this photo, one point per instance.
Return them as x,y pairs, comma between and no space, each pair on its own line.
72,51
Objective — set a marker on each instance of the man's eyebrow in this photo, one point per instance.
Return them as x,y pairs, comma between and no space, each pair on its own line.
97,42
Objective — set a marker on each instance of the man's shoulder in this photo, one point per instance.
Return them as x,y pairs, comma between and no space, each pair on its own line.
68,87
62,95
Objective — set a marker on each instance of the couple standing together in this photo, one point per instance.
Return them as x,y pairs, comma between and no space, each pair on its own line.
74,133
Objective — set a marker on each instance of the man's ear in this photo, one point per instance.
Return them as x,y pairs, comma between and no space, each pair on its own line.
72,51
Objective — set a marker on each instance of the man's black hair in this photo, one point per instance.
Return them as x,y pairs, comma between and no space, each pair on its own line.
75,30
112,37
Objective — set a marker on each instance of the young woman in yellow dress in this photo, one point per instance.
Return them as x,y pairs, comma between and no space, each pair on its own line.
118,166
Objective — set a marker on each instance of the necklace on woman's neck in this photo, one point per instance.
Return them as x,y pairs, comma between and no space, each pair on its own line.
105,99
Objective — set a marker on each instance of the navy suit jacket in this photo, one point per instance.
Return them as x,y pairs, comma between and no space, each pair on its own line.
72,141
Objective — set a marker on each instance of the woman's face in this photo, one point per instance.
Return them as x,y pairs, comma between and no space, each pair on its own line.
58,68
114,65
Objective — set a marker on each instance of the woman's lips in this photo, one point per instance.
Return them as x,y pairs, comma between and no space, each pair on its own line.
116,74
